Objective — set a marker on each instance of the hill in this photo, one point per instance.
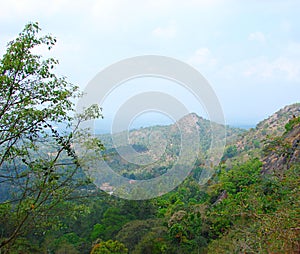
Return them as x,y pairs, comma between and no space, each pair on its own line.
159,146
250,144
259,197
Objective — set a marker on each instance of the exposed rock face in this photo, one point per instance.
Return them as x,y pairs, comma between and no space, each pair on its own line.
282,160
273,125
294,139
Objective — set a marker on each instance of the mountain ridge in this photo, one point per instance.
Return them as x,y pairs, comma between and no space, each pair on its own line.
250,143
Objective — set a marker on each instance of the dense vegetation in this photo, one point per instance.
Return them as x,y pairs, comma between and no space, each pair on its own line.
39,169
45,206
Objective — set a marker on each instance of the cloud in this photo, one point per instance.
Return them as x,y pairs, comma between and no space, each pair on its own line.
107,13
282,68
167,32
292,49
21,8
203,56
257,36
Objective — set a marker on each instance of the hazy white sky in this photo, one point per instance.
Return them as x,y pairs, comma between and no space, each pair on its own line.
249,51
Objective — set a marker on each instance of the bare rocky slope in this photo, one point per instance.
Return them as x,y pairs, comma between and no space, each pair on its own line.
284,152
272,126
251,143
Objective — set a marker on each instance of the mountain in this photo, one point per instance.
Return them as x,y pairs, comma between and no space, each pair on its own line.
250,143
158,147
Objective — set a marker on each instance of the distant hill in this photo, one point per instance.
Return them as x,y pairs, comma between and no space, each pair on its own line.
161,145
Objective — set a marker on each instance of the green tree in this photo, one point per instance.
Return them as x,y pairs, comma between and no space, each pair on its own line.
230,152
113,220
133,232
109,247
263,218
291,124
38,164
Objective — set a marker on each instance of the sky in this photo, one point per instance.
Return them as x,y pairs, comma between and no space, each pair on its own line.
249,51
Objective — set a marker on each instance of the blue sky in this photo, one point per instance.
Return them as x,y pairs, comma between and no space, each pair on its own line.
249,51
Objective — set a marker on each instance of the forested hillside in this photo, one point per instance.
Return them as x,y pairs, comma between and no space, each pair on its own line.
48,205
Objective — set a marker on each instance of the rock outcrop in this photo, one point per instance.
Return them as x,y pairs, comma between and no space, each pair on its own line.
286,154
